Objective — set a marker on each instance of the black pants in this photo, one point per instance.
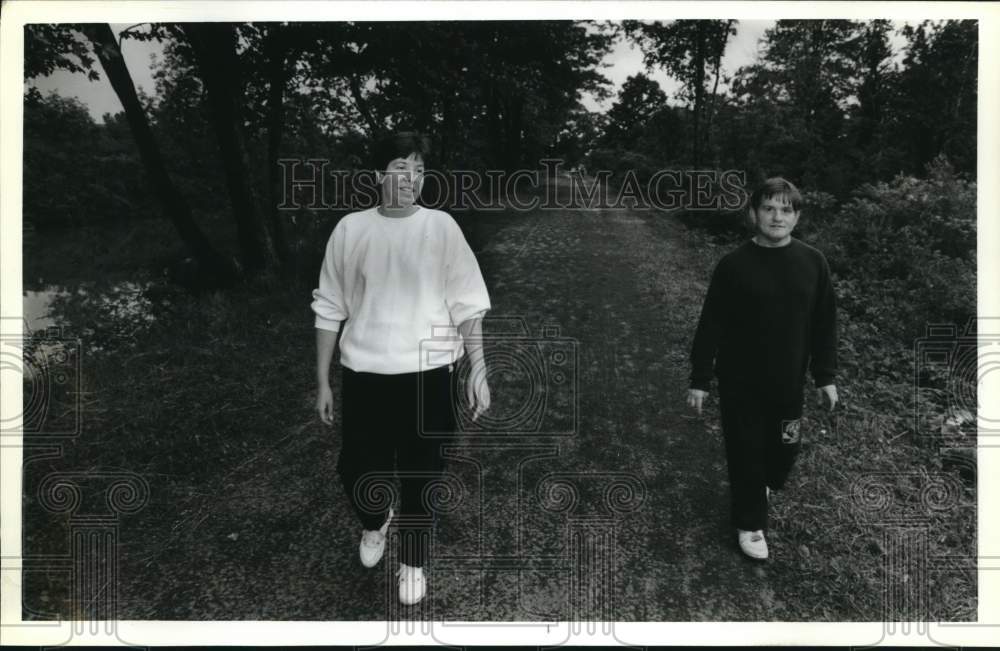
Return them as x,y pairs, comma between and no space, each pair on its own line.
395,425
762,441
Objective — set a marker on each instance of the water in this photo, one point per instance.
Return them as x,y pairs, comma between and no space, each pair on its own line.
61,327
92,312
37,308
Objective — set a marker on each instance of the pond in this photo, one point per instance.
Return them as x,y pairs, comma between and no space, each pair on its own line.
99,314
37,308
61,327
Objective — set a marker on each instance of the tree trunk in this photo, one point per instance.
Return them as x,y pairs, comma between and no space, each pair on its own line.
493,100
720,47
710,114
447,127
276,48
214,46
699,87
363,108
217,270
493,117
512,128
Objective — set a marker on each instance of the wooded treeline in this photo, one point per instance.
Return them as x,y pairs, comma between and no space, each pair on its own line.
232,98
828,104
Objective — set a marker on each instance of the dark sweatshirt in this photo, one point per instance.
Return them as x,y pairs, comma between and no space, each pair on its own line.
769,314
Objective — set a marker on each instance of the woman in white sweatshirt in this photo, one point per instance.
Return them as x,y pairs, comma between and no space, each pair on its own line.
407,288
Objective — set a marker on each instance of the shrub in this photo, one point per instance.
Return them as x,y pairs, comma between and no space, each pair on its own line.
910,248
76,171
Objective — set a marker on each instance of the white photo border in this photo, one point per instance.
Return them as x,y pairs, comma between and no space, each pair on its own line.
13,630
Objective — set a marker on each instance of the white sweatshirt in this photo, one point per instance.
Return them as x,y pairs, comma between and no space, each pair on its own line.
403,284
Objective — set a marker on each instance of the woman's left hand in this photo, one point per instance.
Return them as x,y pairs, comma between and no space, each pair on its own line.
477,389
477,393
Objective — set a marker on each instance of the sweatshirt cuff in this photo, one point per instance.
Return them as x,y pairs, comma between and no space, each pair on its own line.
327,324
461,316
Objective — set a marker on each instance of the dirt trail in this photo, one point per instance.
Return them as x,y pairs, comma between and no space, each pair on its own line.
629,292
625,519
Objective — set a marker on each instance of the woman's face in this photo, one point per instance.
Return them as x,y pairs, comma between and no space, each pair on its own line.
401,181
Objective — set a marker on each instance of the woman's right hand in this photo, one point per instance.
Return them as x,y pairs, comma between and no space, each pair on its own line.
324,403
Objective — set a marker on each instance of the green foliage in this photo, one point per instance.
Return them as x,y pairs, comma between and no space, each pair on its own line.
690,51
578,136
76,171
687,49
787,111
935,104
906,251
180,123
622,161
639,100
57,46
489,93
826,107
641,132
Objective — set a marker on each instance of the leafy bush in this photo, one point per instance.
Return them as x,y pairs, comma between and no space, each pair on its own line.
621,161
907,249
76,171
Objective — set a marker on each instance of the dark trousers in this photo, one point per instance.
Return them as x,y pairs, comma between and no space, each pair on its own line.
395,425
762,440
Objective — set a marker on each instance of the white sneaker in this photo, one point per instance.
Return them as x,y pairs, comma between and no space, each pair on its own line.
753,544
412,586
373,544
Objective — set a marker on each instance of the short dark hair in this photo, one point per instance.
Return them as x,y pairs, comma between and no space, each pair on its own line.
776,187
400,144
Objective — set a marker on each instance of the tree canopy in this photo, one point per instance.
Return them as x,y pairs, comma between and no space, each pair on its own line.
828,103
